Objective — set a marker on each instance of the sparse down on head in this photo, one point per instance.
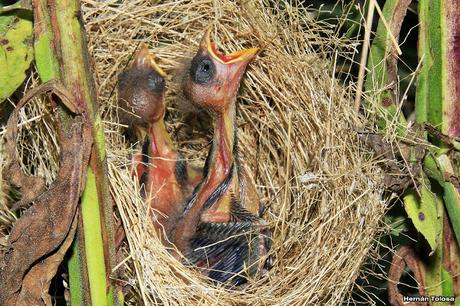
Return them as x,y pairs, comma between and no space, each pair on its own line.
141,91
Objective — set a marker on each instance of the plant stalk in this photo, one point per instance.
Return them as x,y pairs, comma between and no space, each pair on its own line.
61,53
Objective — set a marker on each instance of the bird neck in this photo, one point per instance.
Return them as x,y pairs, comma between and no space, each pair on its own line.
223,143
161,144
219,164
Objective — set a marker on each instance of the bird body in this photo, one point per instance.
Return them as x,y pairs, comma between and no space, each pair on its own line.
167,179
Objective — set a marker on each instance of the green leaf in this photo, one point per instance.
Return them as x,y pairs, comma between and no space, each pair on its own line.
422,210
451,197
433,264
16,52
447,283
438,169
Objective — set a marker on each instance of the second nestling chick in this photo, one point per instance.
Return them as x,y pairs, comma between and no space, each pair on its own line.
166,178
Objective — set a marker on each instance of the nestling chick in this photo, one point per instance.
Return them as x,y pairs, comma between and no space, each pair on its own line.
167,179
220,230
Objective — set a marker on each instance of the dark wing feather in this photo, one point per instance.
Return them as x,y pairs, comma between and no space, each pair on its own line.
181,171
222,249
240,214
145,161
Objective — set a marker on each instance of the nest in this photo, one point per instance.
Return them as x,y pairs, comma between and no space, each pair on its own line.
297,133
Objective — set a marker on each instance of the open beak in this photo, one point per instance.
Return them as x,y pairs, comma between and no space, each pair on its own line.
242,56
146,60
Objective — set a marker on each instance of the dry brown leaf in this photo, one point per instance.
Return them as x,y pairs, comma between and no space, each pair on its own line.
43,227
405,256
37,281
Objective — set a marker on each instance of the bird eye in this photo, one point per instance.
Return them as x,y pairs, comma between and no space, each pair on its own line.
155,83
202,69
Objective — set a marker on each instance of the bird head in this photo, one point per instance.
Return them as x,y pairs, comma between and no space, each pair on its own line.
214,78
141,90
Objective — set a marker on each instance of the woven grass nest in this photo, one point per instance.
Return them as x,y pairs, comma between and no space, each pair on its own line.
297,133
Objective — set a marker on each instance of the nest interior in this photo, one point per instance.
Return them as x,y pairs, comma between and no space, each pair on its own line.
297,136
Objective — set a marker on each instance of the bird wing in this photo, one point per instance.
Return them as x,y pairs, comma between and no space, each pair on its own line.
224,250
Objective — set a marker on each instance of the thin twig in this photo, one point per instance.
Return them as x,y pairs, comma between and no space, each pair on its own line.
365,51
387,26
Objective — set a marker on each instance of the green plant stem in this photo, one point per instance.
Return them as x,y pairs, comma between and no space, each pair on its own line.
434,104
76,278
62,54
434,100
93,241
382,67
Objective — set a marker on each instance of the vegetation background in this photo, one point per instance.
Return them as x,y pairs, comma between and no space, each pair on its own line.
327,150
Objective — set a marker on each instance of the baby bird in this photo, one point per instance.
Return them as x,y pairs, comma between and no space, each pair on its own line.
220,230
166,178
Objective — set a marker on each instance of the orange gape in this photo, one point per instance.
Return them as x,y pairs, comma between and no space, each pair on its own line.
220,230
166,178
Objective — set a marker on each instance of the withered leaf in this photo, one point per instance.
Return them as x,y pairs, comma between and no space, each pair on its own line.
46,226
405,256
36,282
